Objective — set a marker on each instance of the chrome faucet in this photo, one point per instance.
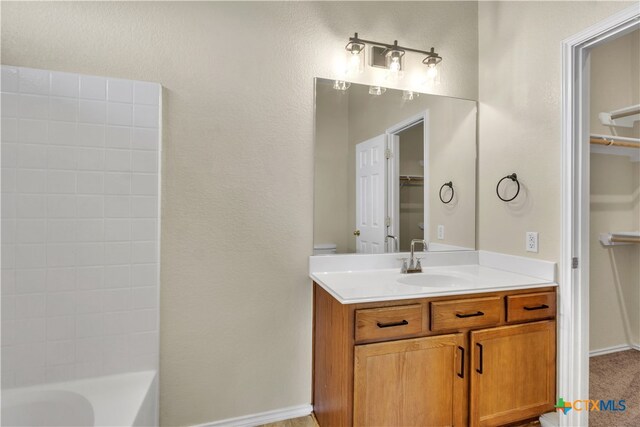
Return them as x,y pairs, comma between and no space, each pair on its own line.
395,240
414,265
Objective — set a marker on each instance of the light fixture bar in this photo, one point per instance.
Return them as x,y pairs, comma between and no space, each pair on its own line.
356,39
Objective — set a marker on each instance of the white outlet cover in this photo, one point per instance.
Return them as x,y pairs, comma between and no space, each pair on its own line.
531,242
441,232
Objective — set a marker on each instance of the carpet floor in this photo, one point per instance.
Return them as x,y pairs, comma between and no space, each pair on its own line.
615,376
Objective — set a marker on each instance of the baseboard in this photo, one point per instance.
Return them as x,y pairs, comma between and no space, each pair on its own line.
263,417
613,349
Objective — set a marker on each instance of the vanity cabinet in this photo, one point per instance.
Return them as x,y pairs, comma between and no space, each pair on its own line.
416,382
481,360
512,373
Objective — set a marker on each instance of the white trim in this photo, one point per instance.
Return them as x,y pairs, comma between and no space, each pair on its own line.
263,417
406,123
393,210
609,350
393,191
573,310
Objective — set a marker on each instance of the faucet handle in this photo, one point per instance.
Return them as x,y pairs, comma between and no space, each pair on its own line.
404,267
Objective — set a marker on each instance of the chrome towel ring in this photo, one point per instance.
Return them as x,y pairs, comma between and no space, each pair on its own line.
513,177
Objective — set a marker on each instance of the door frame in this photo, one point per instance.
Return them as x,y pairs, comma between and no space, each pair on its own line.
573,350
393,173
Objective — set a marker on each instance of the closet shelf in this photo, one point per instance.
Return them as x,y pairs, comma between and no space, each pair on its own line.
620,238
411,180
624,117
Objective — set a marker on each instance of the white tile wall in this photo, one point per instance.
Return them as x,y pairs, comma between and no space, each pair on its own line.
80,225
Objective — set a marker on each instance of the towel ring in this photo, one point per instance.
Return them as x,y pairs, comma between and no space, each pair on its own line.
450,185
513,177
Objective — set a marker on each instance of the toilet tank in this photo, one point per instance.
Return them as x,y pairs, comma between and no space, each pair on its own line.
324,249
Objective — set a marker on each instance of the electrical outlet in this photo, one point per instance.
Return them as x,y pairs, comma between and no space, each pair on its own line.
441,232
532,241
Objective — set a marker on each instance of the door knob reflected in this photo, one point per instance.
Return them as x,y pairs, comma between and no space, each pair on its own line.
356,233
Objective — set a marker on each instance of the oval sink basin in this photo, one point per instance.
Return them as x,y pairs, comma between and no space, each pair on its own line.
433,280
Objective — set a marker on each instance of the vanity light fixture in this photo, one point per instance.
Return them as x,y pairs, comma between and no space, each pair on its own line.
341,85
431,61
409,95
394,62
388,56
377,90
355,55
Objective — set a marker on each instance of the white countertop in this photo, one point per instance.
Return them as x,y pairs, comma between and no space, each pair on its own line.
351,287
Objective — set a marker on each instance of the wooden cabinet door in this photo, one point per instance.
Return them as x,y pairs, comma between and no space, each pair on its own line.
413,382
513,372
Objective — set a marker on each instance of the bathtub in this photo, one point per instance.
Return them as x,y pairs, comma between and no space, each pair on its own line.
115,400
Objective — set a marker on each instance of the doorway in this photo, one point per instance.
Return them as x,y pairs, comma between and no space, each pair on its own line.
410,152
407,183
574,328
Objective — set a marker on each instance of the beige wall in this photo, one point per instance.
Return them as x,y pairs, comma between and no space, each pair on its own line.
615,199
330,174
614,271
520,117
614,82
237,211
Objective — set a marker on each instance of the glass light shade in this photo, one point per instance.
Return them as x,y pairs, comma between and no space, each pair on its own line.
341,85
394,65
377,90
409,95
355,62
433,74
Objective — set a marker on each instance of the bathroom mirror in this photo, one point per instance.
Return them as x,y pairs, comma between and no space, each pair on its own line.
392,166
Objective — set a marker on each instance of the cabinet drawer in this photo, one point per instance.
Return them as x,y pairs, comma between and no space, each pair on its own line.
388,322
531,306
465,313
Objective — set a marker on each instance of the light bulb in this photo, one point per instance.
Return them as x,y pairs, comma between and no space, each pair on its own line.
341,85
432,71
408,95
377,90
355,62
395,67
394,70
431,61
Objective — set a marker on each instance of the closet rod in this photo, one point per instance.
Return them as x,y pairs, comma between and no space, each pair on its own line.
625,114
625,239
613,141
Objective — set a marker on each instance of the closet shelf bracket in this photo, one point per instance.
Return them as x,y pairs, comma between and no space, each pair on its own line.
624,117
620,238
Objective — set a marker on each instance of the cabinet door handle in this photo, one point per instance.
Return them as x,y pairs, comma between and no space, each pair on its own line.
480,365
461,373
462,316
392,324
537,307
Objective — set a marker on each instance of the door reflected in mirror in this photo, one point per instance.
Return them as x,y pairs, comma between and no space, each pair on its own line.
389,169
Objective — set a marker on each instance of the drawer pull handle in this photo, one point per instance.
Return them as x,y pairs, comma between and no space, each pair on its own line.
537,307
480,367
462,316
461,373
392,324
